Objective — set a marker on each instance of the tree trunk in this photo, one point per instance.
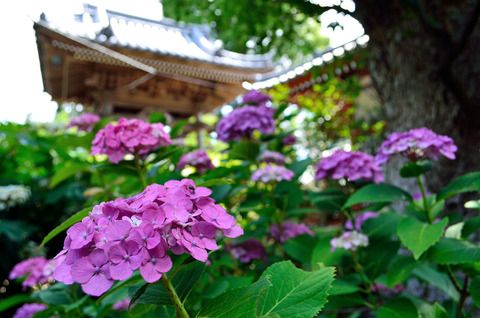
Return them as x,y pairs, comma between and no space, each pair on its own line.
425,65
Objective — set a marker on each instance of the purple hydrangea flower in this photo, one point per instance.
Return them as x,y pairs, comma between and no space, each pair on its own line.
359,220
129,136
289,140
197,159
256,98
249,250
121,236
39,270
272,157
289,230
416,144
272,173
85,122
352,165
350,241
29,310
243,121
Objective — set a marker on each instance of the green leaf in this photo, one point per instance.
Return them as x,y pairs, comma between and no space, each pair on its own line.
471,226
157,117
303,294
330,200
15,300
425,309
215,182
378,257
342,287
384,225
398,308
136,278
452,251
463,184
237,303
300,248
400,270
183,282
287,195
377,193
77,217
299,167
56,295
429,274
412,170
474,290
69,169
178,128
418,236
244,150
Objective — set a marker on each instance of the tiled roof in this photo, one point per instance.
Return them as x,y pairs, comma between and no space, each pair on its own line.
163,37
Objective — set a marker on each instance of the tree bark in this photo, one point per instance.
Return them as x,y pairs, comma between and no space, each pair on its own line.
425,64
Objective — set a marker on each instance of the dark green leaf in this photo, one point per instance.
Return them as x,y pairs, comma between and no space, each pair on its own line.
299,167
288,195
452,251
419,236
377,193
77,217
300,248
342,287
463,184
471,226
178,128
400,270
438,279
398,308
384,225
245,150
412,170
15,300
474,290
157,117
330,200
379,256
69,169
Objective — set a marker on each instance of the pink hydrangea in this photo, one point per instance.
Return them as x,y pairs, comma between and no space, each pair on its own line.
249,250
38,270
350,241
29,310
289,230
121,236
416,144
272,157
256,98
85,122
197,159
289,140
129,136
243,121
272,173
359,220
352,165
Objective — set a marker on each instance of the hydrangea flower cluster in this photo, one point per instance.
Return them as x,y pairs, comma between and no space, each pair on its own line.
39,270
352,165
289,230
132,136
85,122
350,241
243,121
272,173
121,236
359,220
249,250
272,157
12,195
29,310
289,140
197,159
256,98
416,144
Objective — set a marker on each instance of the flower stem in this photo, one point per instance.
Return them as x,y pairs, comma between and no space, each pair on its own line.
425,204
167,284
140,171
463,297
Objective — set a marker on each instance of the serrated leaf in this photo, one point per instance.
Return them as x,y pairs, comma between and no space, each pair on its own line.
463,184
412,170
452,251
418,236
237,303
77,217
374,193
400,270
474,290
302,295
69,169
438,279
398,308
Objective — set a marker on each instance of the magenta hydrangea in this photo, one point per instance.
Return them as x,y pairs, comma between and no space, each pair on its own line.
272,173
249,250
85,122
349,241
29,310
352,165
121,236
242,122
132,136
359,219
289,140
38,270
197,159
416,144
289,230
272,157
256,98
